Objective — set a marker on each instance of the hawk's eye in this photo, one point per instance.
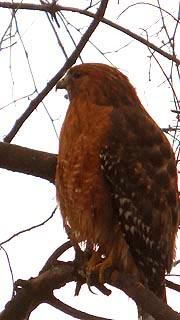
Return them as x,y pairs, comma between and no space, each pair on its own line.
77,74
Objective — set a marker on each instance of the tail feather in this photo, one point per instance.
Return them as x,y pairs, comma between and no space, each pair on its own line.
145,316
160,291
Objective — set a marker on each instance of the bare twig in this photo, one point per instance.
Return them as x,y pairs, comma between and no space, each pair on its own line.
27,96
65,23
46,8
10,267
30,228
148,4
55,32
72,59
165,75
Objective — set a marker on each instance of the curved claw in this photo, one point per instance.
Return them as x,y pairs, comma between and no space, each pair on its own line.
98,265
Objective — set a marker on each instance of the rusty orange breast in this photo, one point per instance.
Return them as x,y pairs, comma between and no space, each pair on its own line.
81,189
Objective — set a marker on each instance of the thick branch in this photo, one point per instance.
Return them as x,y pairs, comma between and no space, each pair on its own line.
27,6
35,291
72,59
143,297
54,302
39,290
20,159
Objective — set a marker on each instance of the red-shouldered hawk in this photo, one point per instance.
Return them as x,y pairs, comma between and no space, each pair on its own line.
116,176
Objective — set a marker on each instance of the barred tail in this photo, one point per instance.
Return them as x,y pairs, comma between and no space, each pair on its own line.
143,315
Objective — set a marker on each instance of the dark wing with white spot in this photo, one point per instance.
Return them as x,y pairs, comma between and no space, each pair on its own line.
139,167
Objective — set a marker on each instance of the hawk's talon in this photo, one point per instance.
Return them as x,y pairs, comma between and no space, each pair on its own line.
98,265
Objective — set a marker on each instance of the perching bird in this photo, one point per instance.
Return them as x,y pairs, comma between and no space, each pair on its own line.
116,176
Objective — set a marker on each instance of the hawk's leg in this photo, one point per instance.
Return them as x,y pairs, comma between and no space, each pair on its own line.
99,264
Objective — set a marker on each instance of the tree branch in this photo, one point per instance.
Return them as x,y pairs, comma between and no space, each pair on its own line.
172,285
54,302
143,297
27,6
31,293
72,59
29,229
56,8
20,159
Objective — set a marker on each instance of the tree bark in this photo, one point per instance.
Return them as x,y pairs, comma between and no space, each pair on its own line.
33,162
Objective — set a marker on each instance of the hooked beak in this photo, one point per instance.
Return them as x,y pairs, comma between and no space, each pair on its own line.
62,83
